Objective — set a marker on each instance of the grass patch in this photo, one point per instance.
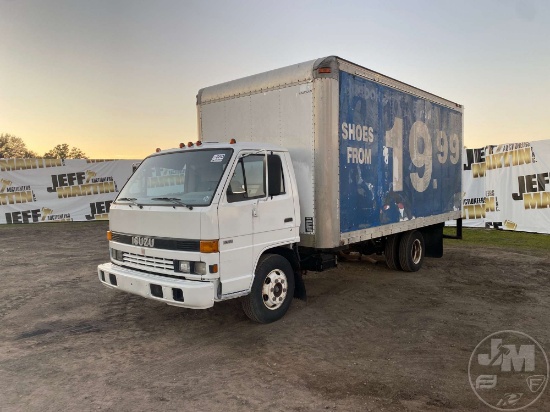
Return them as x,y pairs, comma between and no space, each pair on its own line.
500,238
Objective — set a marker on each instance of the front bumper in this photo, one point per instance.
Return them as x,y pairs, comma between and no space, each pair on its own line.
175,292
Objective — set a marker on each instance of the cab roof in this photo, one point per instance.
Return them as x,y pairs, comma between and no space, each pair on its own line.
238,146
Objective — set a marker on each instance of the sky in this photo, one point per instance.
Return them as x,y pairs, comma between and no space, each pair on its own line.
118,78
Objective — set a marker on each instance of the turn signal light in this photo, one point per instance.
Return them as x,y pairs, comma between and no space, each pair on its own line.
109,235
232,141
209,246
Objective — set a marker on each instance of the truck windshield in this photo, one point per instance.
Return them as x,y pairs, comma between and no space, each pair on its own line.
190,177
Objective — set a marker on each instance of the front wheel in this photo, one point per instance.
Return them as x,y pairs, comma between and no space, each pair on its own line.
272,290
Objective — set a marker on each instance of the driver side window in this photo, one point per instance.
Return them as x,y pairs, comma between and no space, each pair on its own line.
248,181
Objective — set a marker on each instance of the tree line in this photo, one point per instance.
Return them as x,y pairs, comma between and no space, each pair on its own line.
14,147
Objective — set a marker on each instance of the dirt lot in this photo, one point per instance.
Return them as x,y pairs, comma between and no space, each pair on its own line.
367,339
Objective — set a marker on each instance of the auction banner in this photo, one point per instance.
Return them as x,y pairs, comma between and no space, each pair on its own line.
56,190
508,187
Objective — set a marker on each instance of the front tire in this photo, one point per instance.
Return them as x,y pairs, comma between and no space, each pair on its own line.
411,251
272,290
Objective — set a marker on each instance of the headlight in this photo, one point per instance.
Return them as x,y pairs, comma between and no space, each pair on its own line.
184,266
117,254
200,268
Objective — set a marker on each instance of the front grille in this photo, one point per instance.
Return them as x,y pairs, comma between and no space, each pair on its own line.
186,245
131,259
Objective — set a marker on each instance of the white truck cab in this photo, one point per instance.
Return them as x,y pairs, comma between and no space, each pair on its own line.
193,225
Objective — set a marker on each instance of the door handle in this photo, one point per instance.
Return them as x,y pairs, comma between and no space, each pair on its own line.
288,219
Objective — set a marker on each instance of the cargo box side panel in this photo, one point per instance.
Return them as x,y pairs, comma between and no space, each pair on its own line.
282,116
225,120
400,158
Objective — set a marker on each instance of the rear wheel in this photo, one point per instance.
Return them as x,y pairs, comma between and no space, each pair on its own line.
391,250
411,251
272,290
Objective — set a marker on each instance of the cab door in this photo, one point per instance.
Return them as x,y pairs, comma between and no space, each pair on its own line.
235,225
251,221
274,221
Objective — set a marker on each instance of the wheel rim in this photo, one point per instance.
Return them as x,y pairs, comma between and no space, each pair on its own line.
274,289
416,251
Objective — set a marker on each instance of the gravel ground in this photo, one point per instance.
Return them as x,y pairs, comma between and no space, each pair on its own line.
367,339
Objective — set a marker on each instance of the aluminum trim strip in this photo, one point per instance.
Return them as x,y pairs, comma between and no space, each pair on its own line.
386,230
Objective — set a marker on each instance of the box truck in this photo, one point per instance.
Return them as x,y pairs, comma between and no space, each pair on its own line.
291,167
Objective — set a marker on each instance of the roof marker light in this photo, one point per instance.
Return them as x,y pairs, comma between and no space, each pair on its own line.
199,143
324,70
190,144
232,141
182,145
158,149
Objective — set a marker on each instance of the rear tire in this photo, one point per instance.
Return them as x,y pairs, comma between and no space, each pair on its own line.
391,251
411,251
272,290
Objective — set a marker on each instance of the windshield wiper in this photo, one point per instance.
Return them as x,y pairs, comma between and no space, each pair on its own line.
132,200
174,200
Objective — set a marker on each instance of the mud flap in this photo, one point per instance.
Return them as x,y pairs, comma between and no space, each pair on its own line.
433,239
299,286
